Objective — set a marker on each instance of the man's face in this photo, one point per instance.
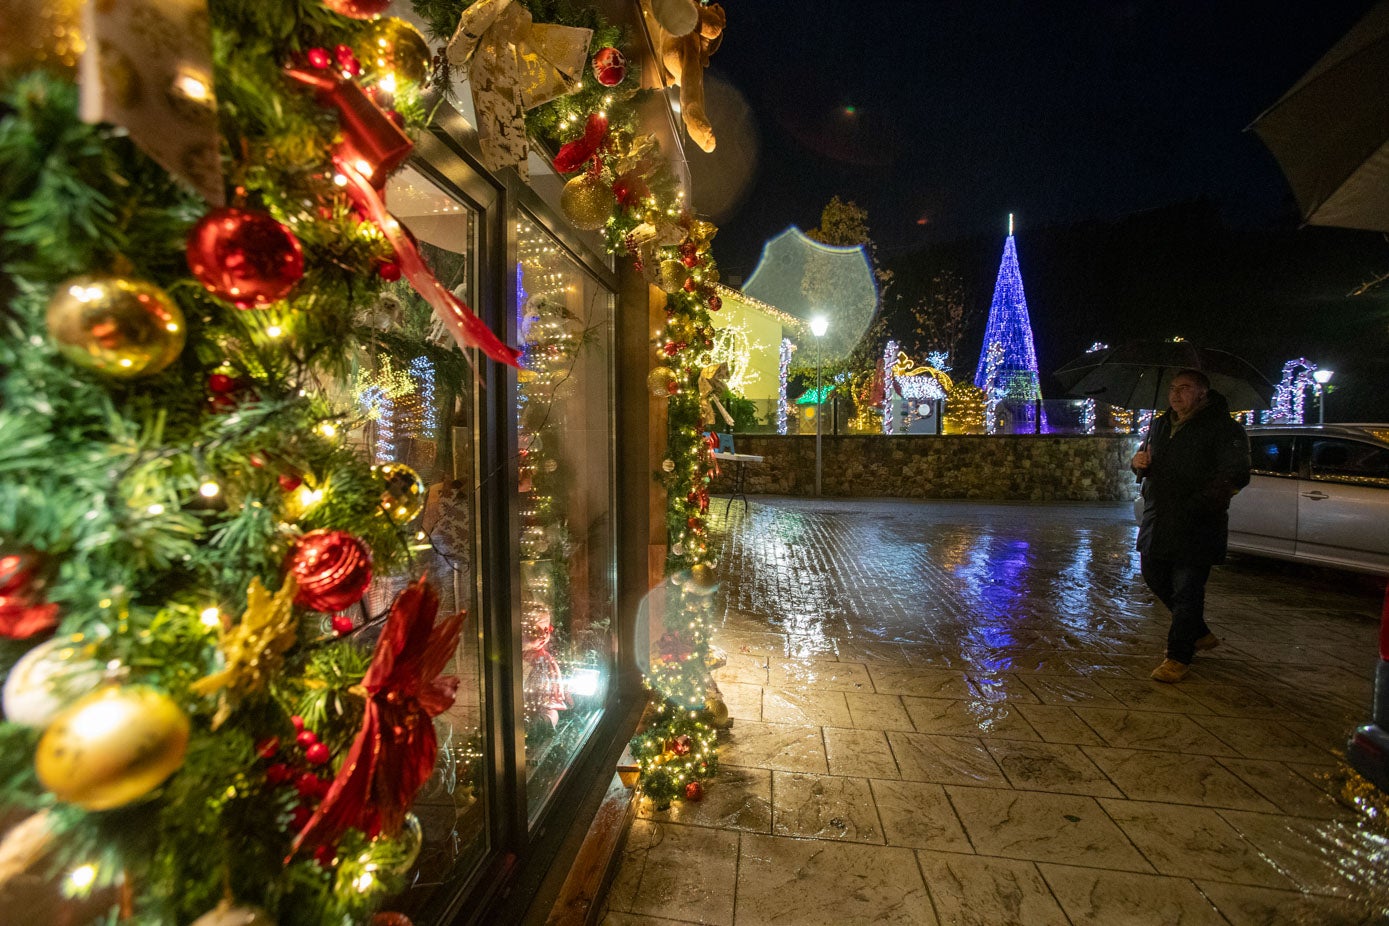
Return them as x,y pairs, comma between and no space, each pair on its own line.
1185,395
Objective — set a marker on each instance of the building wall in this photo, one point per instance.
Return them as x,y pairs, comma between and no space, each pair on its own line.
1006,467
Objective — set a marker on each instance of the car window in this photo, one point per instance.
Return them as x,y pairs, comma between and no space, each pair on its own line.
1271,454
1348,460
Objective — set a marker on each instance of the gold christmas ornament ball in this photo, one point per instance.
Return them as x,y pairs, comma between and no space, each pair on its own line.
672,276
115,326
659,380
391,45
718,711
403,497
112,747
703,579
587,202
228,914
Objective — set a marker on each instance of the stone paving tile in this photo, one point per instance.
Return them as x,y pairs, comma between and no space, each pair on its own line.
1044,827
978,891
920,673
809,882
877,711
1107,898
824,807
1192,842
859,753
968,718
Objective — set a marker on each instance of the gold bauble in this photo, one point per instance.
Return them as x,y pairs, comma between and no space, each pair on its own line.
659,380
112,747
393,46
703,579
587,202
403,497
673,276
117,327
718,711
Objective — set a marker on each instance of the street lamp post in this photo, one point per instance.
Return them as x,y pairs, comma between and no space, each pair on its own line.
818,326
1322,377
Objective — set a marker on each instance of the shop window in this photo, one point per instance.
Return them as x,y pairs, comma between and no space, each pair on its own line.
415,398
564,505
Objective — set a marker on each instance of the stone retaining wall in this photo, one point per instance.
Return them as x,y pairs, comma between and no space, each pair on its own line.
1012,467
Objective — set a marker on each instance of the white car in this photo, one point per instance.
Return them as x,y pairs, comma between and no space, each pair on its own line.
1317,494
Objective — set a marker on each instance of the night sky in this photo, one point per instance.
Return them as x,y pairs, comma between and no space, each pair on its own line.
942,117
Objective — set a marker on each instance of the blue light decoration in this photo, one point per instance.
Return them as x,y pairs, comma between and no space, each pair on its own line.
422,372
782,406
889,386
1014,378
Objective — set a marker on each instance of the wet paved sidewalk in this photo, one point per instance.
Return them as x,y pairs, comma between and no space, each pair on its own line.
943,715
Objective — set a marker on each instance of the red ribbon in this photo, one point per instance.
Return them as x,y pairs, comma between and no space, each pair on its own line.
467,329
575,154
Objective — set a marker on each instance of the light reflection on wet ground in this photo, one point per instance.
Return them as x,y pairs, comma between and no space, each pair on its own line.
942,714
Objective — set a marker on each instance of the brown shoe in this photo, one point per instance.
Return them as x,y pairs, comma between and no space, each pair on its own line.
1209,641
1171,671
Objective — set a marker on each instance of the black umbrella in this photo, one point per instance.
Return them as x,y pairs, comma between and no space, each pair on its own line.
1136,375
1330,132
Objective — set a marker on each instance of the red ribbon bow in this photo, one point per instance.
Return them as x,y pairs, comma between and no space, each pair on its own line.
393,753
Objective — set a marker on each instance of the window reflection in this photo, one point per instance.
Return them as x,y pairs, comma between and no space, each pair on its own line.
563,486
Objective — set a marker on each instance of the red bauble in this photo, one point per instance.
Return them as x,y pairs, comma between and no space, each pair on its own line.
715,303
333,570
391,919
343,624
358,9
347,60
306,738
221,383
389,271
289,481
609,67
690,284
23,612
245,256
681,745
278,773
694,791
317,754
671,348
630,190
318,58
267,747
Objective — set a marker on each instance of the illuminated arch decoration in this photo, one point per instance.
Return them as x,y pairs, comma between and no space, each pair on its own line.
1290,392
1013,378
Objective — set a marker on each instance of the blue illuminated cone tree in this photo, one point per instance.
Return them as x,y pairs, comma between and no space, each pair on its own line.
1013,378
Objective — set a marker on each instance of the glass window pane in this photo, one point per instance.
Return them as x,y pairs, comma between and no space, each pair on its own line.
1348,459
416,396
564,483
1271,454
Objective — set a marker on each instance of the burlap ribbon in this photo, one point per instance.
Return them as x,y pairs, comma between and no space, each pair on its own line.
148,68
514,65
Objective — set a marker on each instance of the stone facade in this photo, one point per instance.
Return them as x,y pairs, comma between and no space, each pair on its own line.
1005,467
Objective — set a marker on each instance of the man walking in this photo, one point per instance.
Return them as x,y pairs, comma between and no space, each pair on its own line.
1195,459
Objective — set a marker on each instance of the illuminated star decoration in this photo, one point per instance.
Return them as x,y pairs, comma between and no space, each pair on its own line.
253,648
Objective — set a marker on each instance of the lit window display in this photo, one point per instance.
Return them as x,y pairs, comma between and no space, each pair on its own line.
564,508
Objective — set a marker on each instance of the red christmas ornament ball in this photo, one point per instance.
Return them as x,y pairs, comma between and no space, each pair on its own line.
681,745
278,773
343,624
306,738
221,383
715,303
289,481
333,570
358,9
347,59
318,58
245,256
609,67
391,919
690,284
317,754
389,271
694,791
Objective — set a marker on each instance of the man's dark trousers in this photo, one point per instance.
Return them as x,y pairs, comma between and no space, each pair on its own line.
1182,588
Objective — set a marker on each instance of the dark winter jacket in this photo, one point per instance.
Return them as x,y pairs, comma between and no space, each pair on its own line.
1189,483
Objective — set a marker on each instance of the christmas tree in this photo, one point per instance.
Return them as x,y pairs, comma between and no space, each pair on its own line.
1007,369
191,729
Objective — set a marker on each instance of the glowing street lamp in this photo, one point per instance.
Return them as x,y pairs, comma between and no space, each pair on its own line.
1322,377
818,326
